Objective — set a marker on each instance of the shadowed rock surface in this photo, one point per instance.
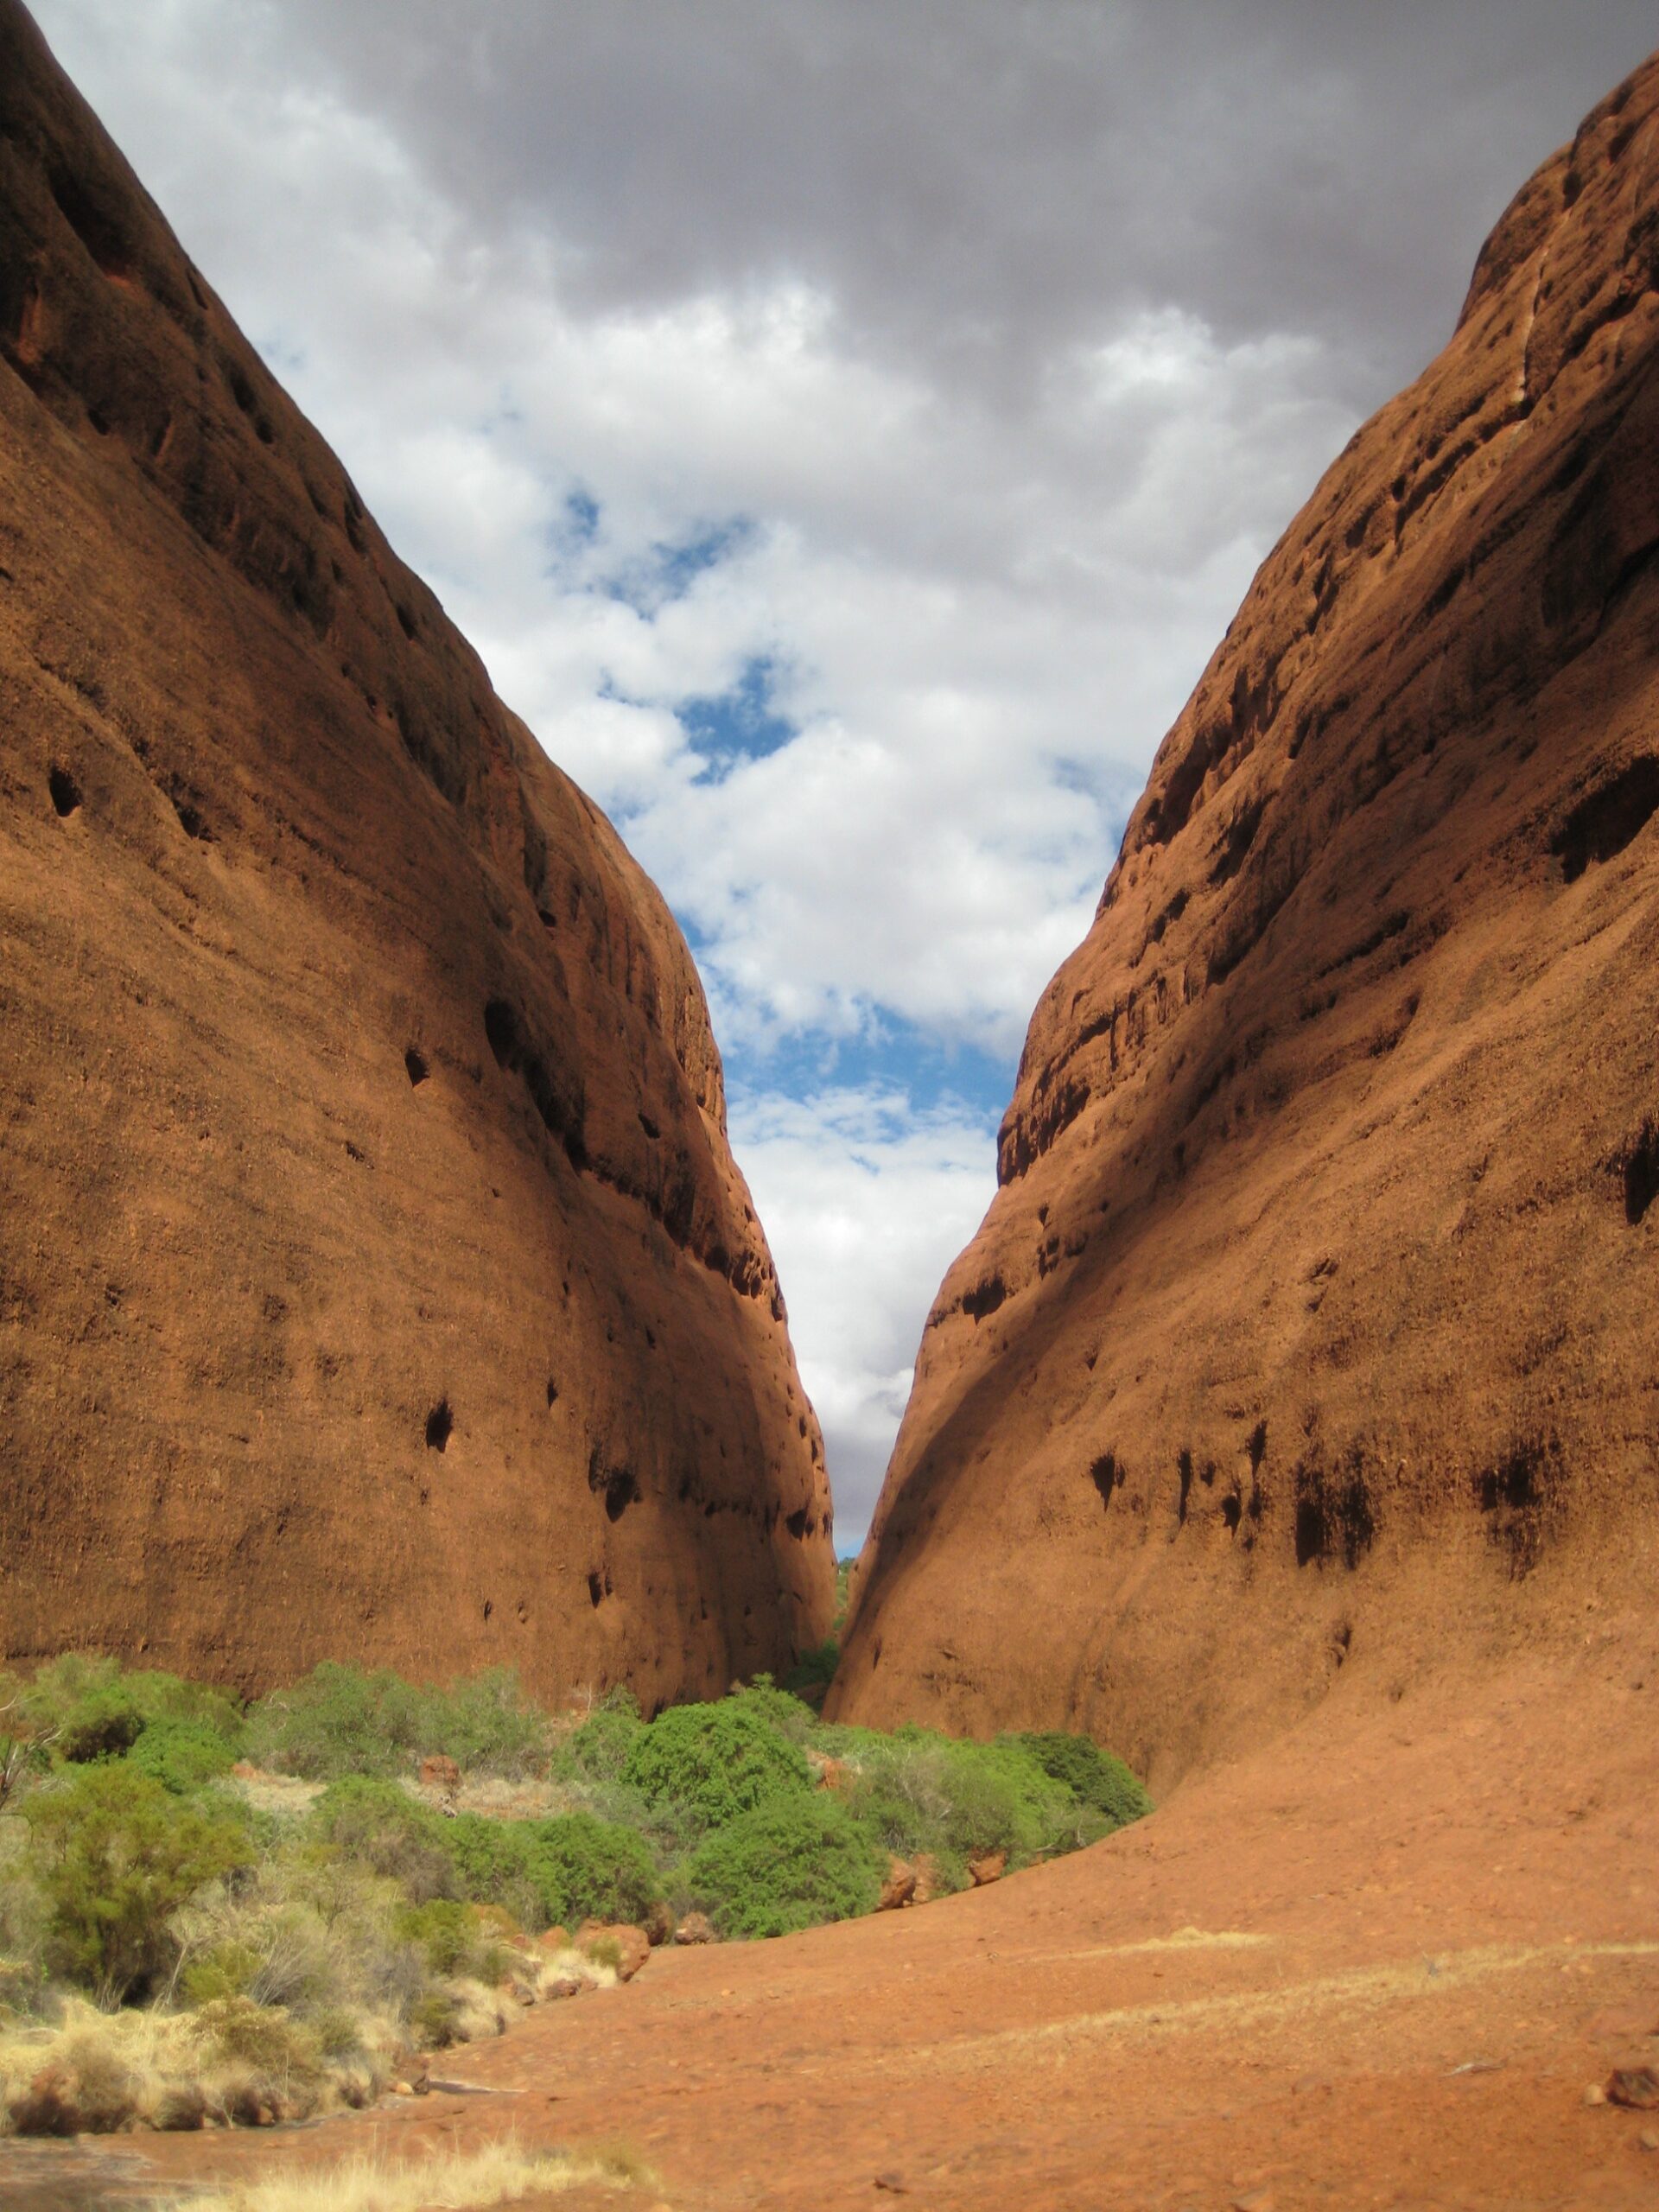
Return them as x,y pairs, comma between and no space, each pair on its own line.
376,1280
1313,1324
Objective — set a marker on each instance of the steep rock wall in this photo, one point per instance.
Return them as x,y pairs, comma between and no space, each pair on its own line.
1313,1324
376,1280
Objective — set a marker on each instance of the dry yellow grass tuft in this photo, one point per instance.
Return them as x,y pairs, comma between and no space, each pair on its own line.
93,2072
466,2180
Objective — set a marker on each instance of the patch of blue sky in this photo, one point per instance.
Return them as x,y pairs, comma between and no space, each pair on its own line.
890,1055
667,570
743,723
580,519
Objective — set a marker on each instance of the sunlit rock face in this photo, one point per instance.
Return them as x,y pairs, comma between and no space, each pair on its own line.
376,1280
1310,1336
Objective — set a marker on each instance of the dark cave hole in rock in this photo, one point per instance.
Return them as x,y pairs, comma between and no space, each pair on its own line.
99,421
978,1304
1257,1447
560,1108
242,391
1311,1538
1184,1468
1642,1172
439,1427
1106,1475
489,1607
102,233
1600,826
595,1589
796,1523
406,621
552,1393
1232,1510
1516,1497
191,821
415,1062
1514,1485
66,792
618,1486
1333,1514
651,1128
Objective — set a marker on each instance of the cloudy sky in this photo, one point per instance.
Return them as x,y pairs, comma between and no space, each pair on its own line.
845,427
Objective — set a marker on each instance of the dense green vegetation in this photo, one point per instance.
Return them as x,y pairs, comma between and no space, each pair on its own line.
308,1917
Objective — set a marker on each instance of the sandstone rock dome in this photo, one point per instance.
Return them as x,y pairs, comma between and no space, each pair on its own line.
1315,1323
376,1280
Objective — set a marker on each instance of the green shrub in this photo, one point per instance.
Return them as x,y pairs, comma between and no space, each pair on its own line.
341,1721
181,1755
82,1708
780,1710
571,1868
599,1749
814,1670
791,1864
434,2017
589,1869
160,1696
452,1939
114,1855
1096,1779
101,1726
228,1970
918,1792
487,1725
708,1763
263,2037
384,1828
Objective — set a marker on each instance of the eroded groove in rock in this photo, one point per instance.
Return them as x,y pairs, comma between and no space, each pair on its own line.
1327,1187
356,1083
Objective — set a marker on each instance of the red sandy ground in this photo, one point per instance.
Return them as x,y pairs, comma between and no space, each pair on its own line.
1377,1965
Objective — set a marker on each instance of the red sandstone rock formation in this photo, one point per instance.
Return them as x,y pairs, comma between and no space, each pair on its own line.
375,1281
1314,1324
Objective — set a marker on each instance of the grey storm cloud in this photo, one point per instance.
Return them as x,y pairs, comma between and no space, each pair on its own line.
975,182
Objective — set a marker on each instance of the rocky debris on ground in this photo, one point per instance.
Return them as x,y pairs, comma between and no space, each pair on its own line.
1637,2087
619,1945
1309,1334
989,1866
898,1887
695,1927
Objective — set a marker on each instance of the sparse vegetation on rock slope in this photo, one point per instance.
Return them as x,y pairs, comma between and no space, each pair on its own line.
187,1934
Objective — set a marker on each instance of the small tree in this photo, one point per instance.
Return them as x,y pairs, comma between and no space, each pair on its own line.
115,1855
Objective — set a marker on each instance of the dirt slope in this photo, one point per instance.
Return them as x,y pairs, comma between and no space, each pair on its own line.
1314,1320
1378,1965
376,1279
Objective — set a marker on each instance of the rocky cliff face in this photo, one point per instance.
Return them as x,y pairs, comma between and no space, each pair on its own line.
1313,1324
375,1281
